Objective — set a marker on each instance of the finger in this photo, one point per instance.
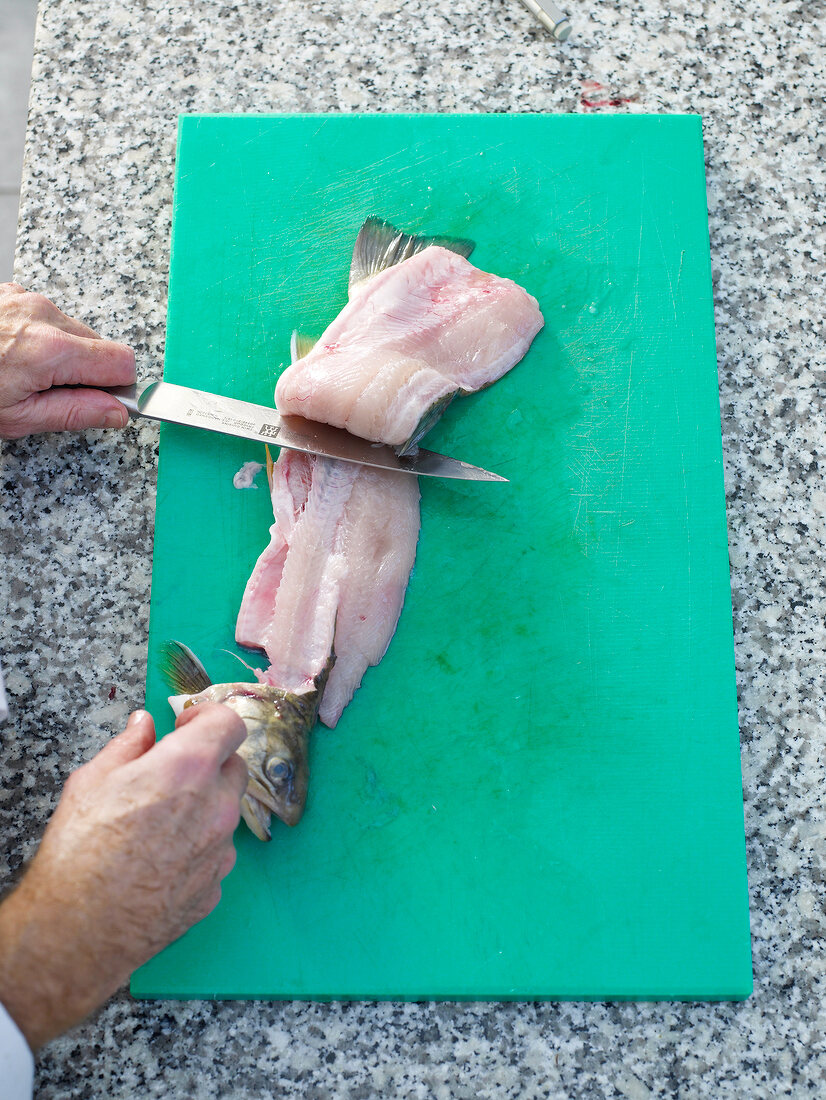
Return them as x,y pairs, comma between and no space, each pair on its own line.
42,356
236,773
188,714
71,325
10,290
211,726
210,902
62,410
137,739
80,361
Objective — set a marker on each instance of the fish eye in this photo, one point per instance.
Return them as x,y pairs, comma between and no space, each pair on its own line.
279,770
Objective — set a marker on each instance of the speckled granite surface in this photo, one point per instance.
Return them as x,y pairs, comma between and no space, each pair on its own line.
76,529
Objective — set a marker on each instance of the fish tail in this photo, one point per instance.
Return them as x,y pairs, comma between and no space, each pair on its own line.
182,670
430,417
380,245
300,345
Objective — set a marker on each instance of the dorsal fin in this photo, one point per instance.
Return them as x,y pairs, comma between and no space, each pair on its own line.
182,670
380,245
300,345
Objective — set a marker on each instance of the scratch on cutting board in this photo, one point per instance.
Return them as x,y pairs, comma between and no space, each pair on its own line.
620,523
291,273
639,248
513,185
667,272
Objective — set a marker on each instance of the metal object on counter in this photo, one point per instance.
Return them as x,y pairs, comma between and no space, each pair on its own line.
551,17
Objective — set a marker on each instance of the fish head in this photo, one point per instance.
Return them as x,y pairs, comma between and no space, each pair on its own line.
276,755
276,750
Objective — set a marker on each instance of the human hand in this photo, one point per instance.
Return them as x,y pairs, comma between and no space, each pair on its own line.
132,857
42,351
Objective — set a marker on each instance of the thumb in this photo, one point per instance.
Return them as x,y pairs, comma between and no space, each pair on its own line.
137,739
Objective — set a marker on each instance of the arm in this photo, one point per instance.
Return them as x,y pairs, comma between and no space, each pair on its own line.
49,366
132,857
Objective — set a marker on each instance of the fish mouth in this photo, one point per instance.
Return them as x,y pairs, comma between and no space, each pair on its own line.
257,817
260,801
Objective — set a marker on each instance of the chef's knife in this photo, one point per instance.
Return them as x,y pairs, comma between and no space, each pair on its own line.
182,405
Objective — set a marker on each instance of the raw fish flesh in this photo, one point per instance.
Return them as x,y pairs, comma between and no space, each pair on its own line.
331,581
325,596
412,337
335,572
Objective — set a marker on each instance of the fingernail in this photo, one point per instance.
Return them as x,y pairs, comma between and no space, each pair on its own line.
135,717
116,418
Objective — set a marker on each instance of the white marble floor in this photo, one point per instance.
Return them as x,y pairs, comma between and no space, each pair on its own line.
17,19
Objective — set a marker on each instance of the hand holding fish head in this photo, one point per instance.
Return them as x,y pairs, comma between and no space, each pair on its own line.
278,724
275,751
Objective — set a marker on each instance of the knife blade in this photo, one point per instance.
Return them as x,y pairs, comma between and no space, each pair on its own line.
182,405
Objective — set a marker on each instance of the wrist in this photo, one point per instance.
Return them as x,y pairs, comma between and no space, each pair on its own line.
19,995
47,981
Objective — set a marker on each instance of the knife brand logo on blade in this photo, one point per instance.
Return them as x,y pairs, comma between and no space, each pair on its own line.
221,418
271,431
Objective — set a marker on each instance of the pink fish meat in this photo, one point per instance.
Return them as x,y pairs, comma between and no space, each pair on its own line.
410,339
325,596
333,577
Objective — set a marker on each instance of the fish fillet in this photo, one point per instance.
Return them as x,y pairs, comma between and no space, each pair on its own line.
410,339
334,575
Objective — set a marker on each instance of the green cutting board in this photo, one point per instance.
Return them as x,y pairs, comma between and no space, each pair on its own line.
537,794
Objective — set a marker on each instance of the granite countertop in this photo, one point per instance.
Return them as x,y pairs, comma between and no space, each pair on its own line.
109,81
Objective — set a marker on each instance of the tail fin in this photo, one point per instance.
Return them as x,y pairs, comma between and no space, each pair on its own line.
380,245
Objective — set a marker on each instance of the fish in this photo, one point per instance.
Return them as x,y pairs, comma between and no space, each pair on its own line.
278,724
326,594
422,326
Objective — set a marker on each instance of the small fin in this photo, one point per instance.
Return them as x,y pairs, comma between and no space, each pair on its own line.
428,420
270,466
182,670
300,345
380,245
